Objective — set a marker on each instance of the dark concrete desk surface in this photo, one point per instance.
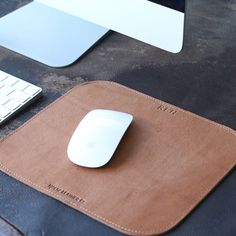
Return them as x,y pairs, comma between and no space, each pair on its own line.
201,79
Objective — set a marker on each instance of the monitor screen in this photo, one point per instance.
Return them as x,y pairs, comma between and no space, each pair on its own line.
178,5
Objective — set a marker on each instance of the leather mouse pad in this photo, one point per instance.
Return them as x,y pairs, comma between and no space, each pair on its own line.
167,162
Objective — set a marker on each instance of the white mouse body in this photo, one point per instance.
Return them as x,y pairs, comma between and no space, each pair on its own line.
97,137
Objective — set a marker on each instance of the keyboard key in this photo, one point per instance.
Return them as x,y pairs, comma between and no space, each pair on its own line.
6,90
31,90
4,112
3,99
19,96
12,104
20,85
10,80
3,75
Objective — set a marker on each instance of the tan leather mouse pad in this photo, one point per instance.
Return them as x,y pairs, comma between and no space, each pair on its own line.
167,162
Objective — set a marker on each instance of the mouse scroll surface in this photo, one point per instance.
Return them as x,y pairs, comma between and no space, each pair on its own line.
97,136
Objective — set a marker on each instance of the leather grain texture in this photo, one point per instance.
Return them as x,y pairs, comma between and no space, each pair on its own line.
167,162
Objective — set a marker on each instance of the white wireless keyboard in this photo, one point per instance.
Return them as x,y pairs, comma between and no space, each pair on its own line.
15,94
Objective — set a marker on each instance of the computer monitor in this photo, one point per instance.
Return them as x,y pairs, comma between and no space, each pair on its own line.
157,22
58,32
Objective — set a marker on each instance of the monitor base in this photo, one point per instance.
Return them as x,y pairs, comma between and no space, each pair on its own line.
47,35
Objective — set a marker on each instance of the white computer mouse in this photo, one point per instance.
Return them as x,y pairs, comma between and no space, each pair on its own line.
97,136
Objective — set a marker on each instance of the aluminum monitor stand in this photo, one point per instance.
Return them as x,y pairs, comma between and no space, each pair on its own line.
48,35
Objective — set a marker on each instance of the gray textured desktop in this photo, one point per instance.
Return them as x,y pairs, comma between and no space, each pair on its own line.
200,79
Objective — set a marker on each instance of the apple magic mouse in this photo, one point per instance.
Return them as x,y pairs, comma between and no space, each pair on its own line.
97,136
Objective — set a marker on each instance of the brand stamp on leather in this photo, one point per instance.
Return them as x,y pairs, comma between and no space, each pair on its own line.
65,193
167,109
